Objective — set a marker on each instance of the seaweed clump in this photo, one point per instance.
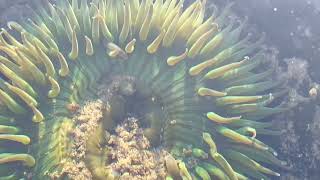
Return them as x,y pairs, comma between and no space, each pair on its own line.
130,154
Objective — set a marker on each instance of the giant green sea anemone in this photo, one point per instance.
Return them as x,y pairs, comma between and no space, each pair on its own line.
193,81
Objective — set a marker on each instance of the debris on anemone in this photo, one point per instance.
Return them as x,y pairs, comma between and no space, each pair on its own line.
192,81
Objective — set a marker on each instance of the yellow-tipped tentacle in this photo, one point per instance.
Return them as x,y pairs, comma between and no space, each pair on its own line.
38,116
144,31
17,80
186,14
11,103
171,15
126,23
202,173
89,46
47,62
248,131
196,47
55,88
105,30
156,18
3,42
130,46
14,67
153,47
208,139
11,53
12,40
36,73
55,18
224,164
210,92
35,41
201,15
16,26
199,153
29,49
237,99
221,120
197,69
22,94
184,170
215,73
17,138
67,26
46,37
203,28
8,129
212,44
64,68
85,16
95,29
140,14
73,55
25,158
168,8
173,60
215,171
233,135
134,7
248,162
171,33
115,50
185,30
71,15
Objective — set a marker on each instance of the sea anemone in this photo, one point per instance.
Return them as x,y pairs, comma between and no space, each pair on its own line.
192,82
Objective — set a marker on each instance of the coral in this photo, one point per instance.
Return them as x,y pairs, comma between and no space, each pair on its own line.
200,89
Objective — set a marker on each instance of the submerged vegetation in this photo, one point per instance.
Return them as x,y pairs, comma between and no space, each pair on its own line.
196,85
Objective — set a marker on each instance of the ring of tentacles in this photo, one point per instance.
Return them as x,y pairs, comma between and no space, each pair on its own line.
196,77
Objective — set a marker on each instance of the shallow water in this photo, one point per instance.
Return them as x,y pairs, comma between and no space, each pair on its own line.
293,35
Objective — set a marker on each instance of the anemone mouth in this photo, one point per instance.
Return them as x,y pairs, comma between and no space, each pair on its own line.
128,98
189,80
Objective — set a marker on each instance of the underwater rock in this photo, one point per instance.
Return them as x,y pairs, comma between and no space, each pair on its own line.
205,83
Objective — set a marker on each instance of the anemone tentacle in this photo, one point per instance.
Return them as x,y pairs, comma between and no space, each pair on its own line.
200,79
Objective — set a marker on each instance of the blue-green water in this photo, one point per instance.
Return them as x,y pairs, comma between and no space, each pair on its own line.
293,36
